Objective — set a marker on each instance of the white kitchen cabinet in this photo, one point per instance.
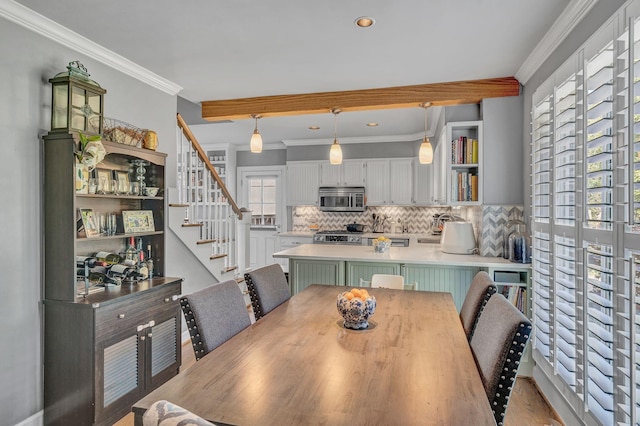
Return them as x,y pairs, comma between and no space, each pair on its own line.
423,184
377,182
389,181
287,242
302,183
349,173
464,163
401,181
440,171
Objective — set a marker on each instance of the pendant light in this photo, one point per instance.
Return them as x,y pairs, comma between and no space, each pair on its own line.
335,154
256,138
425,154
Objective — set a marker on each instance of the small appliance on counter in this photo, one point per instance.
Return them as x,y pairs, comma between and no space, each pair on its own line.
458,238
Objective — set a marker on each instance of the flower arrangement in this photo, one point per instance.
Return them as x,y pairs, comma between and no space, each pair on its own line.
91,151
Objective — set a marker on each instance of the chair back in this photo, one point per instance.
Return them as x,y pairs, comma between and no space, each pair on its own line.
480,290
268,288
214,315
395,282
497,344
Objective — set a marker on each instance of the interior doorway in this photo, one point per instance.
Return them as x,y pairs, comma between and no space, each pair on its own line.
261,191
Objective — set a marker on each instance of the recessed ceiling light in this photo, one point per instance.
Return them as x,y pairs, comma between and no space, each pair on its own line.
372,124
314,127
364,21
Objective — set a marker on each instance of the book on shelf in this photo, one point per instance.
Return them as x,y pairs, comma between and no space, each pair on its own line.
517,295
464,186
464,150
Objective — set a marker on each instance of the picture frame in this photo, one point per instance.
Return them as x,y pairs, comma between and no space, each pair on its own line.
103,177
91,227
138,221
122,182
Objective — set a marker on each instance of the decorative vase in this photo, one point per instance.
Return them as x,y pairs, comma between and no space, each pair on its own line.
82,178
150,140
356,310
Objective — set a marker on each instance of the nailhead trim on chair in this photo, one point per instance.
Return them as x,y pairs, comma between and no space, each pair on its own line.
196,340
508,378
255,300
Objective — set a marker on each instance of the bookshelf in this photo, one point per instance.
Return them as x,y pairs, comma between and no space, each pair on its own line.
464,163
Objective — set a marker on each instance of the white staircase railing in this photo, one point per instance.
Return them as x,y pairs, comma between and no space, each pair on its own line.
206,201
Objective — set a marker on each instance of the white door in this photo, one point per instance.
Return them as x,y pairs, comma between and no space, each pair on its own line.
261,191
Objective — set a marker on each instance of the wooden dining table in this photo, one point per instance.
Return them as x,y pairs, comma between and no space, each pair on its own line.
298,365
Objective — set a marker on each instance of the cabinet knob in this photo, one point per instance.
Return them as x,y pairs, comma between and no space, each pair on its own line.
120,316
151,323
167,299
150,334
143,337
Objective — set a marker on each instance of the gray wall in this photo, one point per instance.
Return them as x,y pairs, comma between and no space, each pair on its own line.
502,155
355,151
28,61
268,157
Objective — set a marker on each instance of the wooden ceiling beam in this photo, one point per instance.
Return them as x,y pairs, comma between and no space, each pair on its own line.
439,94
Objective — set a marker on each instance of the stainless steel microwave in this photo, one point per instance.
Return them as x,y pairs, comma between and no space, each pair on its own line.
341,198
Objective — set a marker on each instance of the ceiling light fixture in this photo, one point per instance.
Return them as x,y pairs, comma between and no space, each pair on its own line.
256,138
335,154
314,127
425,154
372,124
364,21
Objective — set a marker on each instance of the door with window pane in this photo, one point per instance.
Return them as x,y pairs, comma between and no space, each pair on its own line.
262,194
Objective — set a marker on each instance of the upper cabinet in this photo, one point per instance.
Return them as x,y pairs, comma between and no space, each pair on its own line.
464,163
302,183
349,173
389,182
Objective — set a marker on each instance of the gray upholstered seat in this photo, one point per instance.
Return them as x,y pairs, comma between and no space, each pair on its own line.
481,289
214,315
497,344
268,288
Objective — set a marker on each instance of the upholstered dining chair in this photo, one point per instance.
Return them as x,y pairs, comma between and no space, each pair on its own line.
497,344
164,413
480,290
395,282
214,315
268,288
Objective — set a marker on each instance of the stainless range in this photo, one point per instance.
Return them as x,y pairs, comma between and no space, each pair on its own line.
339,237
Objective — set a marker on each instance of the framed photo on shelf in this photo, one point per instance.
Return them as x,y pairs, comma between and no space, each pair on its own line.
122,180
89,223
138,221
103,177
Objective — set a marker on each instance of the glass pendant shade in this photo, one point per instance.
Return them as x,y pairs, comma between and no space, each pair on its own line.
256,139
425,154
335,154
256,142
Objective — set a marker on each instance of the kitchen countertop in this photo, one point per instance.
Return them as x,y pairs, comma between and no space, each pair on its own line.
413,238
421,254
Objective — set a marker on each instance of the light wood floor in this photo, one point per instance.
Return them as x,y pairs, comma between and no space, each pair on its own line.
527,406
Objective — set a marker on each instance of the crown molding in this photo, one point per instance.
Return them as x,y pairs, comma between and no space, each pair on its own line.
566,22
44,26
357,139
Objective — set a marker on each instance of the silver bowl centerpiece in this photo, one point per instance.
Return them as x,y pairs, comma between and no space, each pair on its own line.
356,306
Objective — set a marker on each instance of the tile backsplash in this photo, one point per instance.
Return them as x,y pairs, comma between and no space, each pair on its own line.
489,222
